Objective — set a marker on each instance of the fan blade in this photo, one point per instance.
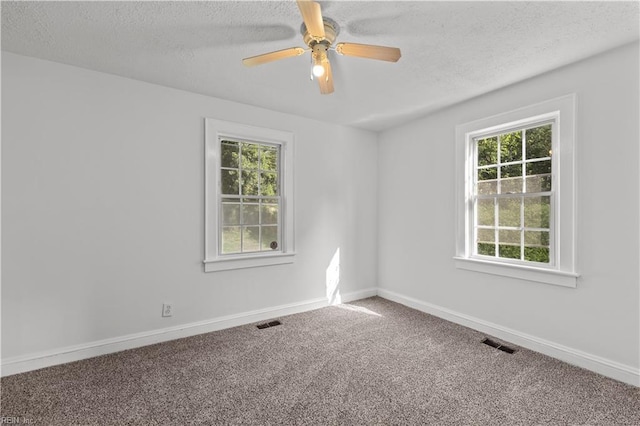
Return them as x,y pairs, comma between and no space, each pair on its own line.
273,56
312,17
326,81
369,51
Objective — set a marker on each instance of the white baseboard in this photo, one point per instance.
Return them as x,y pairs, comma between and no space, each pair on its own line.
360,294
606,367
582,359
21,364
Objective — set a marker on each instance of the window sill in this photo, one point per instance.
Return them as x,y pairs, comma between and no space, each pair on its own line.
240,262
541,275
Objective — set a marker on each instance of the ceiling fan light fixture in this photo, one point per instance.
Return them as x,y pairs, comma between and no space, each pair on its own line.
318,70
319,56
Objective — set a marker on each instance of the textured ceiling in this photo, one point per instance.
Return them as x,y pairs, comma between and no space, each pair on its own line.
451,51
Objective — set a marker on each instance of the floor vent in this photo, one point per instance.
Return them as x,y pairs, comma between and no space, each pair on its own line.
499,346
268,324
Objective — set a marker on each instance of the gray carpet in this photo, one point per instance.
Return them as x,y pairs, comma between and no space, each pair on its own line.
365,363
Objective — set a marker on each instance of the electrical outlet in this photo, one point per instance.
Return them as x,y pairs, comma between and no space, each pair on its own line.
167,309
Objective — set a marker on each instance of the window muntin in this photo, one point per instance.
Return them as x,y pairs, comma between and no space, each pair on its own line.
513,195
250,201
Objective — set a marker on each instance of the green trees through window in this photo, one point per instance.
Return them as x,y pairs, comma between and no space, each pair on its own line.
513,194
250,197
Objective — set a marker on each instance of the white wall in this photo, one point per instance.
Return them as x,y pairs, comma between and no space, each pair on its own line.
103,212
416,216
103,209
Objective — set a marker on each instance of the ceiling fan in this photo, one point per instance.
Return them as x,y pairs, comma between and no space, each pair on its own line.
319,33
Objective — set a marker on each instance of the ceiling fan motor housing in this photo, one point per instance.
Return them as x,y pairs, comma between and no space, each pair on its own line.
331,30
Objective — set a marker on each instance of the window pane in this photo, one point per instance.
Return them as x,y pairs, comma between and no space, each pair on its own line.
509,246
486,212
249,183
511,186
269,184
250,214
508,251
537,211
270,238
536,238
541,183
486,235
536,254
231,214
539,167
539,142
269,158
488,151
509,212
511,179
488,187
487,249
249,156
536,246
489,173
229,154
250,238
511,147
508,236
513,170
230,182
230,239
269,214
539,176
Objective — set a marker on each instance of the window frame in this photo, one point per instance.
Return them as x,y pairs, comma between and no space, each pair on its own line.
215,132
561,270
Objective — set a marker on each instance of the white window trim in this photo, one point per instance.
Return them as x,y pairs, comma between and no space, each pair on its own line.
215,130
562,271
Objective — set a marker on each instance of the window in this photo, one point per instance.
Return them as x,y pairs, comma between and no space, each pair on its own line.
512,195
249,206
249,197
516,194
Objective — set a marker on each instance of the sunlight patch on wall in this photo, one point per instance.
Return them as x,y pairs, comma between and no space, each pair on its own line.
333,279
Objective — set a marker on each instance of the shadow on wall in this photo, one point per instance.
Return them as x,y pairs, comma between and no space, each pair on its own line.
333,279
